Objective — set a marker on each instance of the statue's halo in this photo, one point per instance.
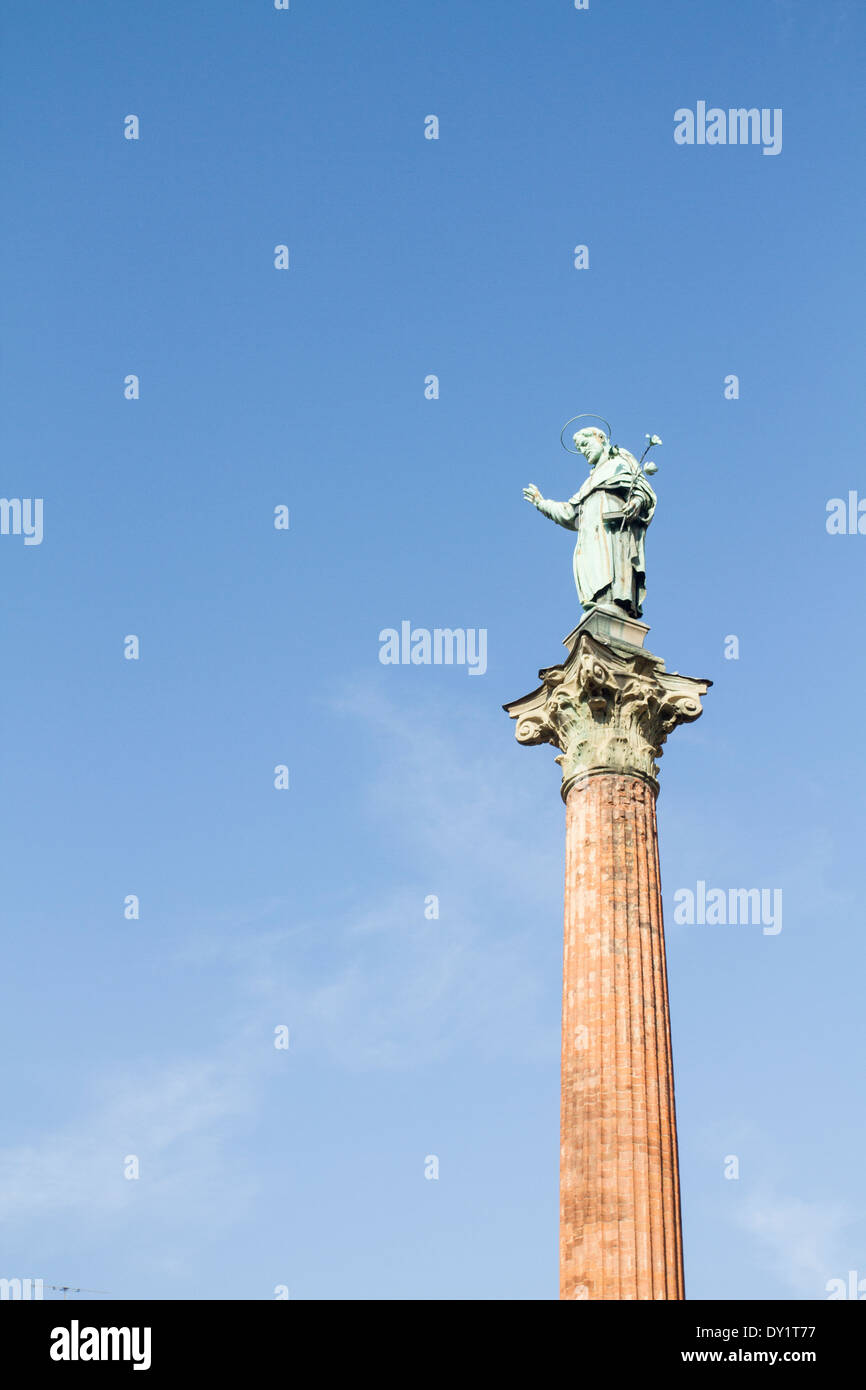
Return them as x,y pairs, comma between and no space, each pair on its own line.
585,416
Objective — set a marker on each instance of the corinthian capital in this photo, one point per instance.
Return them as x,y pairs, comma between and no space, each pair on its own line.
608,708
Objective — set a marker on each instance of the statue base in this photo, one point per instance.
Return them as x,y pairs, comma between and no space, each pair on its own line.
610,625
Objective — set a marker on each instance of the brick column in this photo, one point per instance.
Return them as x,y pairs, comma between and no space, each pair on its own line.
608,709
620,1235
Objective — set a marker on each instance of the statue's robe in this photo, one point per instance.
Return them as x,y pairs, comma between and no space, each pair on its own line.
609,558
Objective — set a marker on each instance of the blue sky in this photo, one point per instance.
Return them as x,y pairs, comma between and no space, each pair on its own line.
411,257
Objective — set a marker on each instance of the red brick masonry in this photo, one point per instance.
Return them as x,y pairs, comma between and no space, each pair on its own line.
620,1233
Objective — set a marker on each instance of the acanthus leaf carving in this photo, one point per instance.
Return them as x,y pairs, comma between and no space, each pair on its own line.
607,708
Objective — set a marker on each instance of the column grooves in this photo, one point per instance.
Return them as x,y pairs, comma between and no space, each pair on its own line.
655,1073
619,1183
643,1243
633,978
612,1215
672,1207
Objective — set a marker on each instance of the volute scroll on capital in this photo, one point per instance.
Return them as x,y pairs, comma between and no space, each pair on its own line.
606,709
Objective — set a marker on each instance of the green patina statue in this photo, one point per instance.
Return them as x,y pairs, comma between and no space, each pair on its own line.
610,514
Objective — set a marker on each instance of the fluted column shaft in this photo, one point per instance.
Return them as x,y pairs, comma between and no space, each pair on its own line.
620,1229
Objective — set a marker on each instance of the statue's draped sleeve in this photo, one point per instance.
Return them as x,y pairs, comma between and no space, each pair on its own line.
620,473
563,513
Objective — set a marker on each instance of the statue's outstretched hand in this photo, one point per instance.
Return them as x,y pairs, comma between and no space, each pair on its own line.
532,494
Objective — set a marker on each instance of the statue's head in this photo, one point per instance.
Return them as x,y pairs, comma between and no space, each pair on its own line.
591,443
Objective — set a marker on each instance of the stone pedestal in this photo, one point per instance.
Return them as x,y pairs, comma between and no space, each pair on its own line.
609,709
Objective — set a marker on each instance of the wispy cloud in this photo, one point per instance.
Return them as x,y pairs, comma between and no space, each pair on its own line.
803,1242
453,790
399,991
173,1118
377,986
